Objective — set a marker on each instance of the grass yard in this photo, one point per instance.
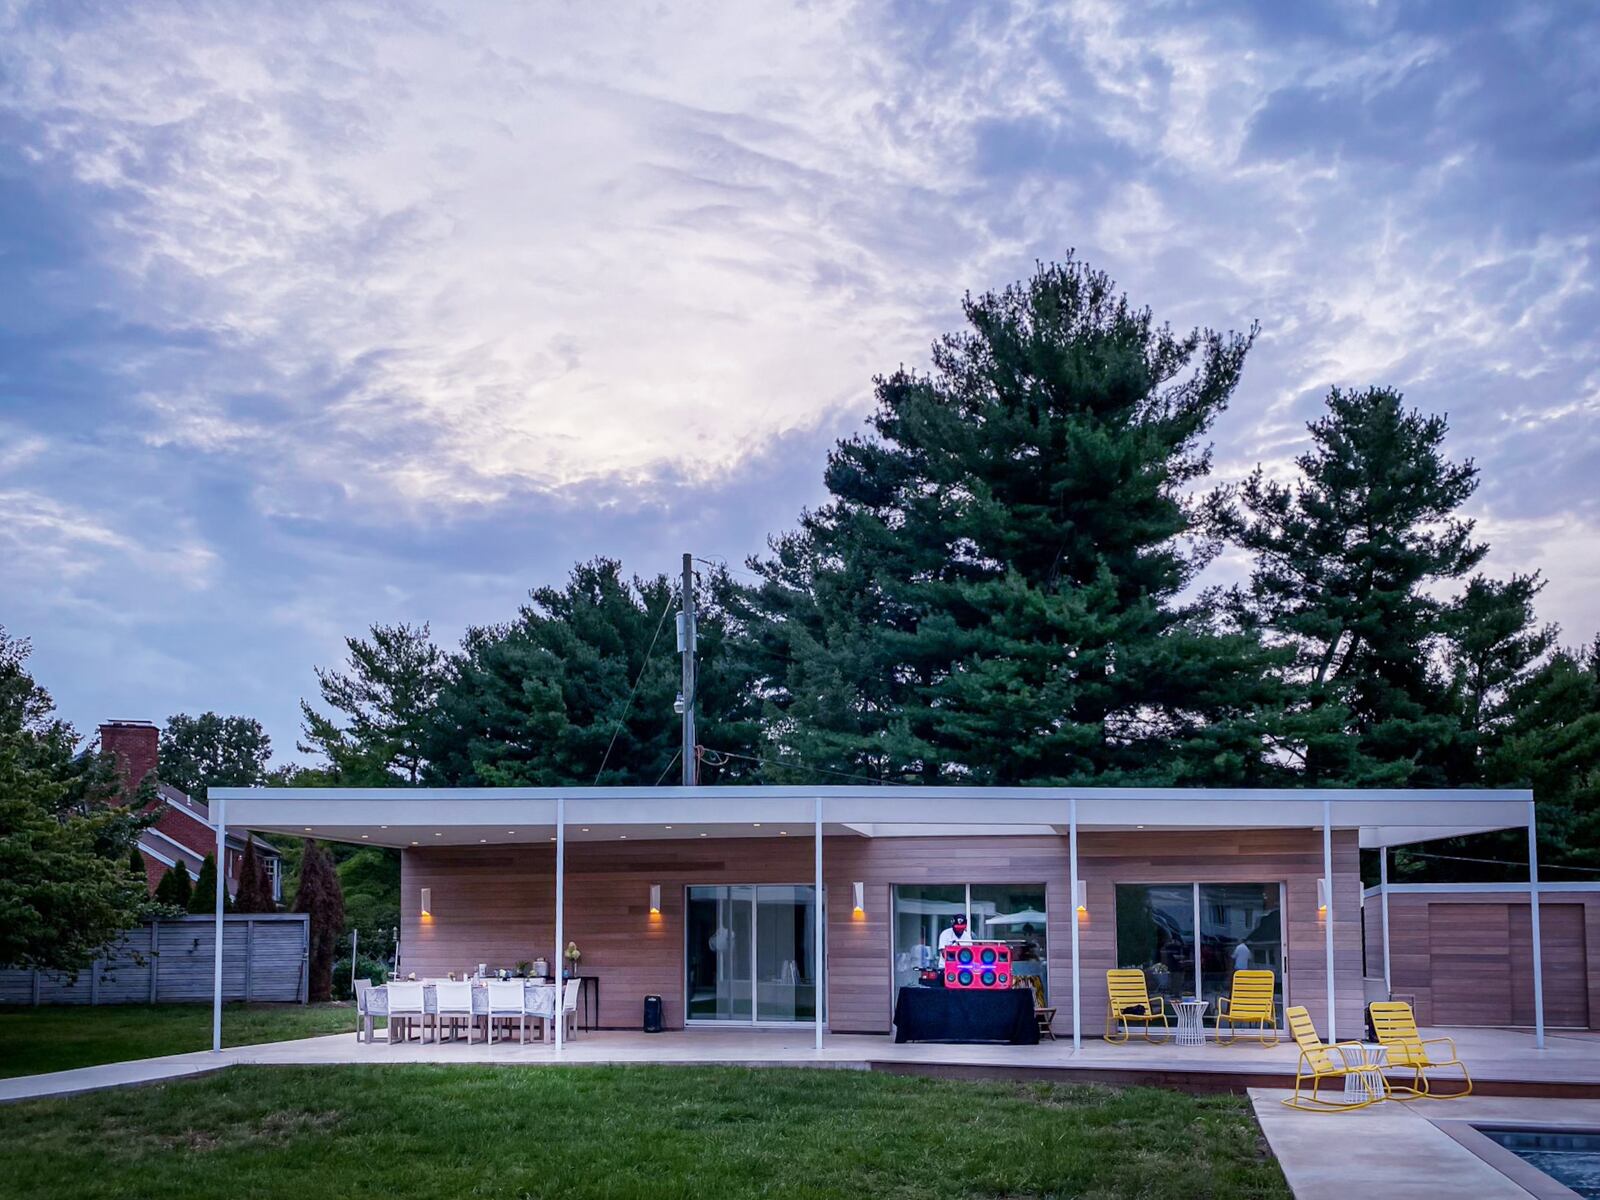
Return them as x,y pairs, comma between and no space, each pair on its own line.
623,1132
56,1038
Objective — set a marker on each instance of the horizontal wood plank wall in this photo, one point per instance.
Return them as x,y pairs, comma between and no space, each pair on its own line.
1467,957
494,905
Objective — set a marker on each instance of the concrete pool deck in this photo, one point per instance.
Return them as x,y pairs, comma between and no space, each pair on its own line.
1409,1151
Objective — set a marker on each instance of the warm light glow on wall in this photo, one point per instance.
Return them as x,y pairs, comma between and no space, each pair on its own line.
859,892
655,899
427,902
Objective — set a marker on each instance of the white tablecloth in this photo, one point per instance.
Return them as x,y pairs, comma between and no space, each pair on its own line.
540,999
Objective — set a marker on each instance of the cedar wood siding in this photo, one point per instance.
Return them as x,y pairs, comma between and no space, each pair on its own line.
1467,957
494,904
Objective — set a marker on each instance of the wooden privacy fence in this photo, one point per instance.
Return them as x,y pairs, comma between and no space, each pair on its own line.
263,958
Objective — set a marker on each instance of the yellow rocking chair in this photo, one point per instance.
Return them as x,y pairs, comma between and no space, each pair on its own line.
1396,1027
1129,1003
1251,1003
1321,1062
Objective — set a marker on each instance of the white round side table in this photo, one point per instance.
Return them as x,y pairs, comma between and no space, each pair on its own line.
1365,1081
1191,1030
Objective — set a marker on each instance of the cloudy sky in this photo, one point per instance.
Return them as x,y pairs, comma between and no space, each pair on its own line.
315,316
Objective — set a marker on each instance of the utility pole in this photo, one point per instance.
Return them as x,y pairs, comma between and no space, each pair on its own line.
686,640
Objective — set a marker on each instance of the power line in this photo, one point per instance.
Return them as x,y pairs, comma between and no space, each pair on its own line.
726,754
645,663
670,761
1495,862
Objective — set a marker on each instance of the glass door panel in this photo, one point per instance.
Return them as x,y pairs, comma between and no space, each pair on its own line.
720,954
921,913
785,969
1155,933
1241,929
1014,914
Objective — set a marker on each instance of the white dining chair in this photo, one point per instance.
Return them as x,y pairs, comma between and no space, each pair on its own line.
363,986
542,1007
569,1007
405,1005
453,1003
508,1001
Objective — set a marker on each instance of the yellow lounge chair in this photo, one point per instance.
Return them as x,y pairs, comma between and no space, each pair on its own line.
1129,1003
1252,1003
1396,1027
1321,1062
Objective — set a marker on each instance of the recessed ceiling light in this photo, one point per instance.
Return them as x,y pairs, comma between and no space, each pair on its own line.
783,833
512,832
308,829
586,829
757,824
364,836
416,843
623,836
481,841
702,835
666,827
438,835
383,827
552,837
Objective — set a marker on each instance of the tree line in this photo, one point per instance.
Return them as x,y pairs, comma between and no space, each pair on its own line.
1004,586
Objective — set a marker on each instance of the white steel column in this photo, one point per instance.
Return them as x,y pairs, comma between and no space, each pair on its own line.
1533,915
1383,896
559,970
817,967
1072,908
219,812
1327,919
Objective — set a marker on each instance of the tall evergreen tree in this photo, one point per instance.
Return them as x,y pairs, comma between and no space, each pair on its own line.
203,896
176,889
254,894
136,863
213,751
1347,561
320,896
993,593
382,702
579,688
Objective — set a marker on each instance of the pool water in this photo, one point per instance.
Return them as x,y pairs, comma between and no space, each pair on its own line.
1572,1159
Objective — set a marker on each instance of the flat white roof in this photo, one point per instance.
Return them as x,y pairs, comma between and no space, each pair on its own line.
468,816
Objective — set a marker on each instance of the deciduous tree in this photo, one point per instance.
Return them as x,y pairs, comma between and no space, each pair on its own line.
213,751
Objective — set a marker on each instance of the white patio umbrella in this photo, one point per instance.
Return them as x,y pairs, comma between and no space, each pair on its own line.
1028,916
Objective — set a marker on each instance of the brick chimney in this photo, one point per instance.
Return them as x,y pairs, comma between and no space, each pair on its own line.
137,746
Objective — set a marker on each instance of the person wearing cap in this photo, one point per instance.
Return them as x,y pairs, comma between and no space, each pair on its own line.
956,935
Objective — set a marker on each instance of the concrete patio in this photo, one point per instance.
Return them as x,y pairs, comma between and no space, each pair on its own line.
1503,1062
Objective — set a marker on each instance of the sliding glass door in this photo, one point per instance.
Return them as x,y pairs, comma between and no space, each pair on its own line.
1189,938
750,954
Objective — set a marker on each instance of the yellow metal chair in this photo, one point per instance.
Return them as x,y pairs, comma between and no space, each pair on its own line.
1252,1003
1396,1027
1129,1003
1321,1062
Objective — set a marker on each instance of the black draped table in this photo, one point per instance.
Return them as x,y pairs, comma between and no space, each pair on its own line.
923,1014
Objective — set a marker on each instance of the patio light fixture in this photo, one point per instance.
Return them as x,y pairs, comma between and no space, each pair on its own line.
859,890
1322,895
655,899
1080,896
427,902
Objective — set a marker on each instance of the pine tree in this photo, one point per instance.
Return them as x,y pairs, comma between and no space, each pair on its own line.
320,896
176,888
204,897
382,702
579,688
1347,560
136,863
254,894
993,593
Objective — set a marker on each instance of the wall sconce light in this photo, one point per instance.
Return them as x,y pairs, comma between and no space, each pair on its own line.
859,893
1080,896
1322,895
655,899
427,902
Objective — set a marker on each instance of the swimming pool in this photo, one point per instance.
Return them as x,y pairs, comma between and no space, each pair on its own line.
1570,1157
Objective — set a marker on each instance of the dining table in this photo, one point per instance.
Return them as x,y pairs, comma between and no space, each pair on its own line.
539,999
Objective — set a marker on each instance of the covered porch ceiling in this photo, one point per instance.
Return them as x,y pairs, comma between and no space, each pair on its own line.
408,817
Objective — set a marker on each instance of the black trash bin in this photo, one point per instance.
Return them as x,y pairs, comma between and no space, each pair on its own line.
652,1014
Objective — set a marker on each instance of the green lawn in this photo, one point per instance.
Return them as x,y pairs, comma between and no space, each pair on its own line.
55,1038
620,1132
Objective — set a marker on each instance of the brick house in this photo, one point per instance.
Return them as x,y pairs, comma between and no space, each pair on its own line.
182,833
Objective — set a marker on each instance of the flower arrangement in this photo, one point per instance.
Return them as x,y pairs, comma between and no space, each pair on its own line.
572,955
